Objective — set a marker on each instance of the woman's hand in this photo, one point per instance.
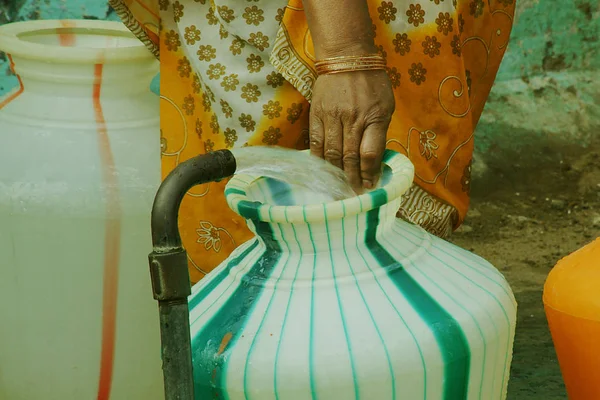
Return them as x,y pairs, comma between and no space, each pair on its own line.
349,118
350,112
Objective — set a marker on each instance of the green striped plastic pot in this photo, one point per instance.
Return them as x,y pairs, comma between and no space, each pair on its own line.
342,300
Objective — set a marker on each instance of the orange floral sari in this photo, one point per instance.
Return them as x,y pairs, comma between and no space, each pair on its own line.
240,72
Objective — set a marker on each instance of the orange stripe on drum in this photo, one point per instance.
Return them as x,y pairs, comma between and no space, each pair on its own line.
18,91
112,242
66,38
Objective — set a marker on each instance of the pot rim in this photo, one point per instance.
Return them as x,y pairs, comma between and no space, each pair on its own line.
13,42
402,175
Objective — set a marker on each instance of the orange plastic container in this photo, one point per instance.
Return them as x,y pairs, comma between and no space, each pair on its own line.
572,304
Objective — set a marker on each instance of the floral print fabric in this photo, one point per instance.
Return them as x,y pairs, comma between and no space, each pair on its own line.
240,72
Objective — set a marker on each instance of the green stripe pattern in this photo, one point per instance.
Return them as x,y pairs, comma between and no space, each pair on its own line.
344,301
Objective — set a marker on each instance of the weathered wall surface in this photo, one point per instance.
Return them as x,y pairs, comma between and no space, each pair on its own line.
547,93
553,36
547,90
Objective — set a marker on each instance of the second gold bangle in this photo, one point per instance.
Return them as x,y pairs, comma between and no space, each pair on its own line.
349,64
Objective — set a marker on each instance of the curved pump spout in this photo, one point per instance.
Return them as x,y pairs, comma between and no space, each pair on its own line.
169,267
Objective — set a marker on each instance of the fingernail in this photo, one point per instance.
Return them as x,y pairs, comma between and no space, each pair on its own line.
367,184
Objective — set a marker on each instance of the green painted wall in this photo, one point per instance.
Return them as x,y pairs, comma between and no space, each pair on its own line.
546,99
553,36
48,9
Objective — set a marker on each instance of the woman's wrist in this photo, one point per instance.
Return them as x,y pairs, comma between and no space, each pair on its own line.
340,28
348,48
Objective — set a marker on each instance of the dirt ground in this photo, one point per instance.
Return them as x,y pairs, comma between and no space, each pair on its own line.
523,219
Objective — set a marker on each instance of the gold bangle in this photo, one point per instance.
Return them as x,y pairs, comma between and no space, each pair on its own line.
350,58
337,65
330,71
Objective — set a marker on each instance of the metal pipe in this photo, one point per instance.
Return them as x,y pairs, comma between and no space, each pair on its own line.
169,267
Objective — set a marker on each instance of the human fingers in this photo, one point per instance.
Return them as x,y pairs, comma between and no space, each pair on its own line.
372,147
334,136
351,157
317,133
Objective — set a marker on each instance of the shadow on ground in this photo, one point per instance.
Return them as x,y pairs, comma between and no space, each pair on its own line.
524,217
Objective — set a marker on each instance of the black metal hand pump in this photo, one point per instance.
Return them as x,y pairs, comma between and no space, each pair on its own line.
169,267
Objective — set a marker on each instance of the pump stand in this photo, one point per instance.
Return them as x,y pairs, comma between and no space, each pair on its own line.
169,267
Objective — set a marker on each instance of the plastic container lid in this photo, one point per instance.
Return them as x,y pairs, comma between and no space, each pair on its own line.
573,286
